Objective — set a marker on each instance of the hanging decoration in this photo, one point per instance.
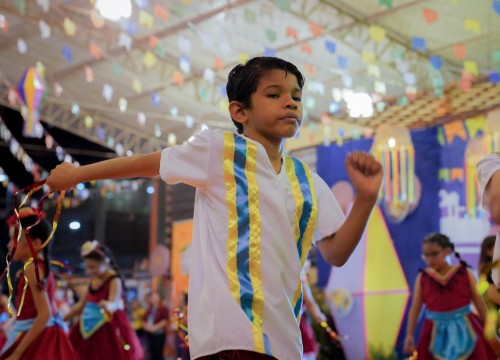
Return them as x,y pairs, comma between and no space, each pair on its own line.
475,151
392,146
477,148
31,89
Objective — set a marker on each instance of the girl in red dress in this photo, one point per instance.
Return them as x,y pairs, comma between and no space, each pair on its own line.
451,330
103,330
38,333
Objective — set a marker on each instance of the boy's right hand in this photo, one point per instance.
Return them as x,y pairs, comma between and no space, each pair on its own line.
62,177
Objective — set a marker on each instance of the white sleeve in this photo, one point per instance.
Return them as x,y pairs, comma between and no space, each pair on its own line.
188,163
330,215
485,169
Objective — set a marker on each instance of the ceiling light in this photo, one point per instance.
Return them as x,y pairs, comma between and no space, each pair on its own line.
359,105
114,10
74,225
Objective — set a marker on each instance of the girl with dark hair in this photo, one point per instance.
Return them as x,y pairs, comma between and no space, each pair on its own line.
39,332
103,330
450,330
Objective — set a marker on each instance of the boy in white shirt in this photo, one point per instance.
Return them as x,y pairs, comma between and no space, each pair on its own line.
257,211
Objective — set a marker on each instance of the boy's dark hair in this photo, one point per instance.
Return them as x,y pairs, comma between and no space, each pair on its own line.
40,231
243,79
444,242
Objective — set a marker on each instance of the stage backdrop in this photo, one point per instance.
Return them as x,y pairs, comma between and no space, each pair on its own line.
182,232
406,239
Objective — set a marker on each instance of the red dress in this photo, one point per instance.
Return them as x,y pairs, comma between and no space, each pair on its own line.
113,339
309,343
52,343
450,293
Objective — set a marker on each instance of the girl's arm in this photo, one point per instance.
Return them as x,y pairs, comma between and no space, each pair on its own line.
66,175
476,299
114,301
42,305
77,308
416,306
493,294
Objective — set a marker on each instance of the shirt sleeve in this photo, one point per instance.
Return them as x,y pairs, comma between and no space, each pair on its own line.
485,169
330,215
188,163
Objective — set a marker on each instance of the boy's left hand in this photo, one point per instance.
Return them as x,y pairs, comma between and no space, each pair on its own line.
365,173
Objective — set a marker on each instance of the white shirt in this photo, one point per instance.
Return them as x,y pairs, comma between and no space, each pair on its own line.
486,167
221,316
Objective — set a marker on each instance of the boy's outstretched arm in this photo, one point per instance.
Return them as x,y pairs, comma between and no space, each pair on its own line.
66,175
366,176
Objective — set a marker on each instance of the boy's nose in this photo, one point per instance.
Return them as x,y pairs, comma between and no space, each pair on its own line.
292,104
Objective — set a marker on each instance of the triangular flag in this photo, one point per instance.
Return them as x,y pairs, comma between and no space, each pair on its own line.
472,25
249,16
306,48
367,57
283,5
436,62
244,57
309,68
95,50
177,78
330,46
292,32
125,40
418,44
218,64
153,41
460,51
67,53
137,85
269,52
149,59
146,19
342,61
315,29
44,29
107,92
69,27
430,16
271,35
377,33
387,3
470,67
496,6
161,12
494,77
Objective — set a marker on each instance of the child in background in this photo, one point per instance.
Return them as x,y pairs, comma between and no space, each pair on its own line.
38,332
155,324
451,330
102,330
257,212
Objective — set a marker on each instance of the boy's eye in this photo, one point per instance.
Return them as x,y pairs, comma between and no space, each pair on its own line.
297,98
274,96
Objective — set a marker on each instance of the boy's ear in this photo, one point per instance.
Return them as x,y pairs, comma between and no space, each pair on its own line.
237,112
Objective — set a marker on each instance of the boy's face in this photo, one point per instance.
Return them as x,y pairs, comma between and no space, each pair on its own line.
275,109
